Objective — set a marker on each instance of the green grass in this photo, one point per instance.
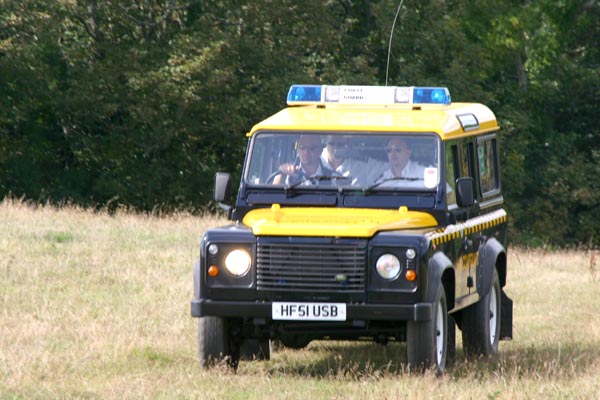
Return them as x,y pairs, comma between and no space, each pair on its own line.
94,305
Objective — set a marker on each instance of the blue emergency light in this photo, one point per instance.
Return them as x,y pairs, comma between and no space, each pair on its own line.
304,93
366,95
431,95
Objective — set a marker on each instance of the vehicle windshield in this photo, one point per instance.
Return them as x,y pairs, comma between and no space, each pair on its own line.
374,161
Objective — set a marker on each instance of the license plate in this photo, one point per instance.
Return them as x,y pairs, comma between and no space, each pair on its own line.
309,311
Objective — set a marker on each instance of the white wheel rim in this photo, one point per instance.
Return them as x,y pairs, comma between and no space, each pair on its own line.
493,315
439,338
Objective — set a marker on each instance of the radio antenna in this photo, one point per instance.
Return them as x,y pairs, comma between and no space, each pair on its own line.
387,68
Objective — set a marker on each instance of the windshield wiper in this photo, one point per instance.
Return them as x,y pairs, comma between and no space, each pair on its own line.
396,178
317,178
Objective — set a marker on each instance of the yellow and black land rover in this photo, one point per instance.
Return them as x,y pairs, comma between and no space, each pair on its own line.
363,213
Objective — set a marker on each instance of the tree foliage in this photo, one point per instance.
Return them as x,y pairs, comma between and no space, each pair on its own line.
139,102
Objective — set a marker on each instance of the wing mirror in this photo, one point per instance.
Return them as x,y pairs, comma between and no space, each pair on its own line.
223,190
465,196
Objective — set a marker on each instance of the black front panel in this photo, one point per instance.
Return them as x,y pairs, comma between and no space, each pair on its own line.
311,265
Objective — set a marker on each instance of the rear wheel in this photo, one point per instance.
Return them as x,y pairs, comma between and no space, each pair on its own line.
481,323
296,342
256,349
427,342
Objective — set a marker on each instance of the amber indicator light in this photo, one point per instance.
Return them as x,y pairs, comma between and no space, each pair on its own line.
213,271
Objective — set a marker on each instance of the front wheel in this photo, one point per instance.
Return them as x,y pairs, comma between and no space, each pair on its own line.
215,342
427,342
481,322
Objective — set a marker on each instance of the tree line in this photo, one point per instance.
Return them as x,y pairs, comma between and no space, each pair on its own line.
139,102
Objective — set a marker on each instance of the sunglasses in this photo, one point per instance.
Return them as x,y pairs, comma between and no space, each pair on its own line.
313,147
397,148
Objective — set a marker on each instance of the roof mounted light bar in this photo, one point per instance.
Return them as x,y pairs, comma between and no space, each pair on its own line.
367,95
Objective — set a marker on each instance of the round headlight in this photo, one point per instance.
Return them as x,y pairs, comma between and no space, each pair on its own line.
388,266
411,253
238,262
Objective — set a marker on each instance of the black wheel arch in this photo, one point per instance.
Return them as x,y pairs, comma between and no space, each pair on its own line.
491,255
441,271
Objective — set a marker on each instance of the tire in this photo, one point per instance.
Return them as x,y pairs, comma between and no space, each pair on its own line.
295,342
481,323
213,343
256,349
427,342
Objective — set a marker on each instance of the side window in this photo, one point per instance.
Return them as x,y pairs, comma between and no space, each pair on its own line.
464,156
459,163
451,161
470,157
487,161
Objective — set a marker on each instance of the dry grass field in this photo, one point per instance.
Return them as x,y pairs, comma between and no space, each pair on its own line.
94,305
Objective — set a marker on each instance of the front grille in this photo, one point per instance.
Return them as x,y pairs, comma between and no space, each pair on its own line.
311,267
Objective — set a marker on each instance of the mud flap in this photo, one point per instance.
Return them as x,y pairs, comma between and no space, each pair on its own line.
506,317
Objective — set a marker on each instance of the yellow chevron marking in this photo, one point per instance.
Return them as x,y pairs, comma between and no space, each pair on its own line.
471,226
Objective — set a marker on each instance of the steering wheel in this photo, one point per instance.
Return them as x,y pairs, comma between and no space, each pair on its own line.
271,177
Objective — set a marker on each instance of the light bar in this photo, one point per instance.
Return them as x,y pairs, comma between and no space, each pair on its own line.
367,95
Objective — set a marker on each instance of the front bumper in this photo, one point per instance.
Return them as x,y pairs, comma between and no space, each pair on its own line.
381,312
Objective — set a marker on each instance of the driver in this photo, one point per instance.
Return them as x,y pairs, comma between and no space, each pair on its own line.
308,163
